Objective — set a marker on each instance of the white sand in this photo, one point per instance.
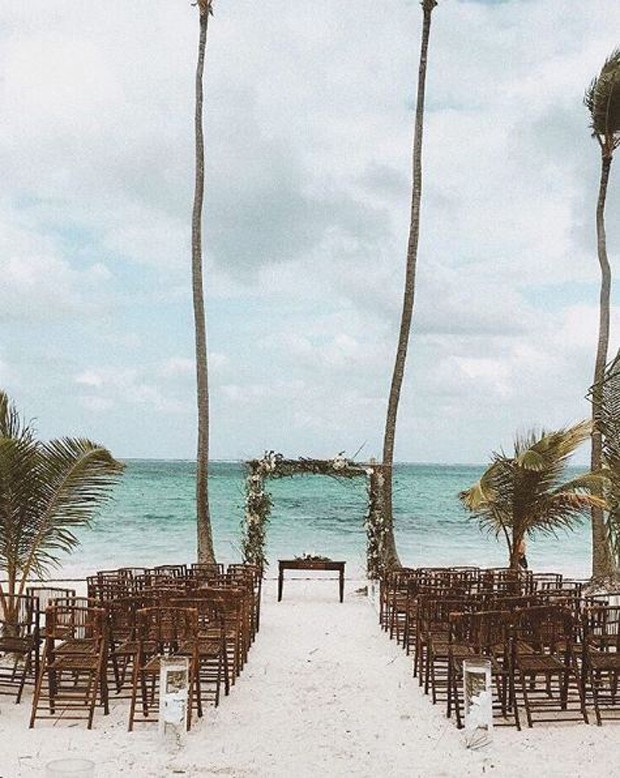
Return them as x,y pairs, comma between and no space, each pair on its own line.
325,693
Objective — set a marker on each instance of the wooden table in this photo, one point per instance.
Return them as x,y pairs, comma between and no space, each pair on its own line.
309,564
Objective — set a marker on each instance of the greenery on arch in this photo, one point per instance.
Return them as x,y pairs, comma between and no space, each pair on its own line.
258,501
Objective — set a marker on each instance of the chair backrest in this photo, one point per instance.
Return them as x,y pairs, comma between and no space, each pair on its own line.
47,594
434,612
73,620
547,581
173,571
209,616
546,629
167,627
107,586
605,598
206,569
494,601
485,632
19,615
506,580
601,627
122,615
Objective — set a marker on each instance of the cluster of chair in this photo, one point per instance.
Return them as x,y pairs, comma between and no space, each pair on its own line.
551,650
111,642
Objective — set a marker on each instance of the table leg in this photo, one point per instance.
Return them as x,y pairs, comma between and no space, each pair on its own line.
280,582
342,585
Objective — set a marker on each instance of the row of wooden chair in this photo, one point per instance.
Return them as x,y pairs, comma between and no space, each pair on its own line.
109,642
557,649
397,588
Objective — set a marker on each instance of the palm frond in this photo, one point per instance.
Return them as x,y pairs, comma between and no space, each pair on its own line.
76,475
47,490
602,99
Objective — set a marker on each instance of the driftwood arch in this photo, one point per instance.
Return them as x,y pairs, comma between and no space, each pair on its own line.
258,501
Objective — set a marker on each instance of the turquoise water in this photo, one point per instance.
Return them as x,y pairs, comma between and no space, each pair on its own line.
151,521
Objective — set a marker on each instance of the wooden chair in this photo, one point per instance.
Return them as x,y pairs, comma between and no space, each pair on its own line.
433,640
601,658
72,672
163,631
543,650
483,635
211,645
122,637
19,643
398,600
232,607
253,574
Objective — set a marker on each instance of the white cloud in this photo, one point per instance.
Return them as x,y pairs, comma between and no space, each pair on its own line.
308,128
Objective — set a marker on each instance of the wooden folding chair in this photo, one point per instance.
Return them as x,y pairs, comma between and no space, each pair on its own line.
19,643
545,664
601,659
72,672
163,631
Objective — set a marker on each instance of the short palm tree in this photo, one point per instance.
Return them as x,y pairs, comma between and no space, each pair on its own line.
526,493
602,99
47,491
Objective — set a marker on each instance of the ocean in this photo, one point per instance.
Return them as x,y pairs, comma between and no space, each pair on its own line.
151,520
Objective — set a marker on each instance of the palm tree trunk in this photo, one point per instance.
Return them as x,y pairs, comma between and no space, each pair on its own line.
203,519
514,548
603,564
388,552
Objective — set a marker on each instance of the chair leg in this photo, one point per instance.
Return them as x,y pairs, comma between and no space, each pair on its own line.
526,700
134,694
91,696
22,682
37,690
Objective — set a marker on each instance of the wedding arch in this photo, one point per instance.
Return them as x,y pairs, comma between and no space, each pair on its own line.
258,500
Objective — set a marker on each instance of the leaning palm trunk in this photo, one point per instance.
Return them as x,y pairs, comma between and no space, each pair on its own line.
602,99
389,555
203,519
603,563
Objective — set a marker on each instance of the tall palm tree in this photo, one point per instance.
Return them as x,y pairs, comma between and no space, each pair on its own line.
389,554
47,490
602,100
609,426
525,493
203,517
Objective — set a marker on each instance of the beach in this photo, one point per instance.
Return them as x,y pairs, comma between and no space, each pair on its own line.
324,693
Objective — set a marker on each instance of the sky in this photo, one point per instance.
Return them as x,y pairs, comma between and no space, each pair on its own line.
308,121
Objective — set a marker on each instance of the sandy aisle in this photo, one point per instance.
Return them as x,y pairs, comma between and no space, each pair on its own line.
325,693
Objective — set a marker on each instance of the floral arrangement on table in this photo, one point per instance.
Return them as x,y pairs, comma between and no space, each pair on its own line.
312,557
258,502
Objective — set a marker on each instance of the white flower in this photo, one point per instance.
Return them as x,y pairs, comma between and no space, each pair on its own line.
339,462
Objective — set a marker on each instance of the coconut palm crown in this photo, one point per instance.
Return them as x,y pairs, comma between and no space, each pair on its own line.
602,99
47,491
526,493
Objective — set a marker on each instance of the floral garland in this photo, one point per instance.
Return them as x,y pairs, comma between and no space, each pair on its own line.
258,501
375,523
